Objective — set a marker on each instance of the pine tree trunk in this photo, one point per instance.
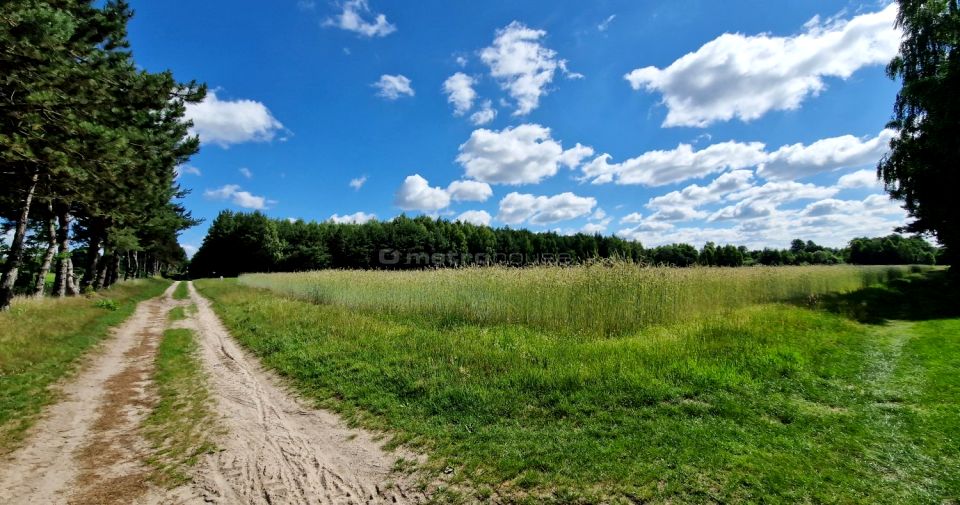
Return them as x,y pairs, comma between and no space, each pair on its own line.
113,274
101,278
12,267
48,256
136,265
93,250
72,288
63,254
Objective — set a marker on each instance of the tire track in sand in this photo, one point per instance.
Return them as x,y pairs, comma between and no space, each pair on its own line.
278,449
87,448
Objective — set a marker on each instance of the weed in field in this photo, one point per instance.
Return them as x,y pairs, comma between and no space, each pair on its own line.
106,304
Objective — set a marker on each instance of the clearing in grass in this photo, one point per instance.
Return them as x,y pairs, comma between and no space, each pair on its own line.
745,401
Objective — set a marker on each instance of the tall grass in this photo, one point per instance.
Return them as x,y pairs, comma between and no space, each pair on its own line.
598,300
772,403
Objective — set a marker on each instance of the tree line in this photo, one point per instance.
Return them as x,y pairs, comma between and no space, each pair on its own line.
252,242
89,145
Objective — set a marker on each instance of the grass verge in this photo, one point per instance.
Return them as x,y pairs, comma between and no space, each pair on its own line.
774,403
181,425
40,341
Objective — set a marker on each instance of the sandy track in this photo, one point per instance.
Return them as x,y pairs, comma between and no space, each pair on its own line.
87,448
278,449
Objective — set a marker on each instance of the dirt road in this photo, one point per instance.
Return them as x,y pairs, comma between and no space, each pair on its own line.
276,449
88,447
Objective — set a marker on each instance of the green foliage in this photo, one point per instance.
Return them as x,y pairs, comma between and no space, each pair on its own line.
40,341
921,168
85,134
238,242
892,250
106,303
768,403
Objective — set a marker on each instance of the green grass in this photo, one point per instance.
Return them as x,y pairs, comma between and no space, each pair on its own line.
40,341
181,425
600,300
178,313
780,403
181,292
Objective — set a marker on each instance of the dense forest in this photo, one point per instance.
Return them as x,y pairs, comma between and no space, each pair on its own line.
253,242
89,145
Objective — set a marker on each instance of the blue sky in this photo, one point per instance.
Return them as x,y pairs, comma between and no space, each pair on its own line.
683,120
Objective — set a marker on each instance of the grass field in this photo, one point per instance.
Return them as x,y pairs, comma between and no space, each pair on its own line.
182,424
713,394
599,300
40,340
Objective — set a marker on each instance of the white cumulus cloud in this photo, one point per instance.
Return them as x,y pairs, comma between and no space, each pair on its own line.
747,209
516,208
238,197
460,92
483,116
355,218
741,76
477,217
797,160
226,122
392,87
860,179
358,182
523,67
352,17
179,170
469,191
694,195
656,168
525,154
416,194
779,192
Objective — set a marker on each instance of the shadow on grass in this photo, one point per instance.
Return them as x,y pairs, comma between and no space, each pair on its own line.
916,297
